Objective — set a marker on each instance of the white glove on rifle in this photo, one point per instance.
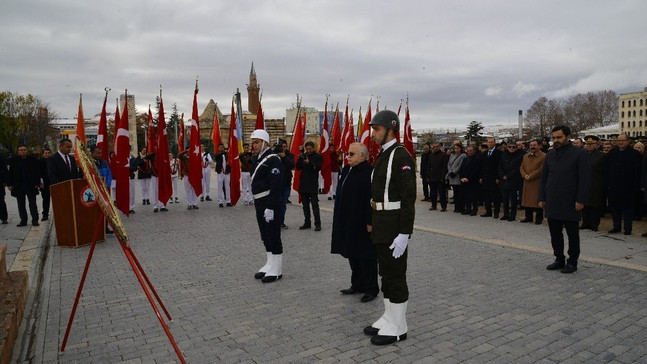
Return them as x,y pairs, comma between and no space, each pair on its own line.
269,215
399,245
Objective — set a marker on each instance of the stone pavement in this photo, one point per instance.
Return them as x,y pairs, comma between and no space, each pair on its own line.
479,293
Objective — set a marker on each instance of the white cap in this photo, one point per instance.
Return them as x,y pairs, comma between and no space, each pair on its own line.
260,134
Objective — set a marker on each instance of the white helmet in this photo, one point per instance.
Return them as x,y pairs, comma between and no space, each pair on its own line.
260,134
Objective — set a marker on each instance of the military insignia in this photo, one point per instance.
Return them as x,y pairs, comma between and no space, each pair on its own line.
406,168
275,171
393,122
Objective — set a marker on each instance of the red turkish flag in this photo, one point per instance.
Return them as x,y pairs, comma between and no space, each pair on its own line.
297,141
336,130
408,137
260,118
233,159
122,162
80,127
102,135
324,150
151,137
195,159
215,134
162,163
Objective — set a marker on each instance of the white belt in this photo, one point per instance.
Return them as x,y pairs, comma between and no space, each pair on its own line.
263,194
395,205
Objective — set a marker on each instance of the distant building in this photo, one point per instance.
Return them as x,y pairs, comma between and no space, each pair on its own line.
602,132
632,110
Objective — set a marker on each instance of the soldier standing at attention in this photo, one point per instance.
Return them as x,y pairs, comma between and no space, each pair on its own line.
393,191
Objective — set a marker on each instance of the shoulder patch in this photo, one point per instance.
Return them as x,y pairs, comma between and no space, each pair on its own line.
275,171
406,168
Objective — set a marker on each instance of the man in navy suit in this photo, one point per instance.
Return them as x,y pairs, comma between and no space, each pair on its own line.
61,166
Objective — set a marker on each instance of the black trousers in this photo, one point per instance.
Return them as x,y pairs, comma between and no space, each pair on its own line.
622,214
270,231
509,198
425,187
591,217
4,215
539,214
394,274
364,275
491,200
557,239
46,200
308,199
22,210
438,192
459,198
470,196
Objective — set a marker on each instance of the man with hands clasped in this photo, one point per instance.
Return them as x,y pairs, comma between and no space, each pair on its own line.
267,183
393,191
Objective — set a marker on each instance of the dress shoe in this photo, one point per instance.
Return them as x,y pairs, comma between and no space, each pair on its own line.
329,198
557,264
594,229
304,227
164,209
504,217
367,298
317,228
270,279
473,213
496,215
512,218
220,205
148,202
155,209
229,204
386,340
487,214
177,200
443,209
614,230
284,227
208,199
35,223
465,213
131,211
189,207
4,222
538,222
627,232
526,220
108,231
195,207
432,208
350,290
371,331
45,218
22,224
569,268
259,275
201,199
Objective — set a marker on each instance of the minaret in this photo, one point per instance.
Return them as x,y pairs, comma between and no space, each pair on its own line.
253,99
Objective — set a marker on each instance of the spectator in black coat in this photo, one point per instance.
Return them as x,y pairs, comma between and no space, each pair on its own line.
309,163
490,180
470,172
4,177
24,180
509,177
622,180
424,169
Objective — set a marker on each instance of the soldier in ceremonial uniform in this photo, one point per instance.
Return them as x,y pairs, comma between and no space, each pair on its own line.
207,162
267,185
393,191
246,175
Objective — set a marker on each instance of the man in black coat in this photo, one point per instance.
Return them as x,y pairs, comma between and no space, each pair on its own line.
596,202
490,180
424,170
287,159
622,180
470,172
61,166
436,172
509,177
4,177
24,179
44,188
564,189
309,163
351,227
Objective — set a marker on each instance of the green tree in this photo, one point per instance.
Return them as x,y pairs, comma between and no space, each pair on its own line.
24,119
473,133
172,129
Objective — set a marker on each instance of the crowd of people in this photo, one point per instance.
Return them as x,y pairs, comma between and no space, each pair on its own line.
505,178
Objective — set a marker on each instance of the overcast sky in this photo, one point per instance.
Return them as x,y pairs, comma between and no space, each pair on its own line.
458,60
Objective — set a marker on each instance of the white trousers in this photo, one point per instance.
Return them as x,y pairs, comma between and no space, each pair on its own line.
191,198
206,181
247,186
131,191
174,183
333,186
157,204
145,185
223,183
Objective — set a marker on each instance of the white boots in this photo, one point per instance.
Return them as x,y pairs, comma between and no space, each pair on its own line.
392,326
275,270
265,268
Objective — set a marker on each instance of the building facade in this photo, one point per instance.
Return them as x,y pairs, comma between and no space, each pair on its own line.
632,110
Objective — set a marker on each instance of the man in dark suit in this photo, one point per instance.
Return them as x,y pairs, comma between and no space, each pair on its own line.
490,180
594,205
4,176
61,166
44,176
352,224
24,180
309,163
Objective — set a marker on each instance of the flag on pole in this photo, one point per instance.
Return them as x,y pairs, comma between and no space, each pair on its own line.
260,118
365,133
344,141
297,142
195,159
215,133
162,163
116,126
397,132
336,130
80,127
232,156
408,136
324,150
180,141
150,133
102,135
122,162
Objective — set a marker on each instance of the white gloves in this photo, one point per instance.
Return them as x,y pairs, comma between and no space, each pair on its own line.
269,215
399,245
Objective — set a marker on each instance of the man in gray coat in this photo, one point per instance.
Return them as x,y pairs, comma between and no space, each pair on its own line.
564,190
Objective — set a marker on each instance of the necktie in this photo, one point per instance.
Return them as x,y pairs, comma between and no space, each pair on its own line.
67,162
489,153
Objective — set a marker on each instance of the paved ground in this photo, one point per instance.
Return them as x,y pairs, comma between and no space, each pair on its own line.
479,293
